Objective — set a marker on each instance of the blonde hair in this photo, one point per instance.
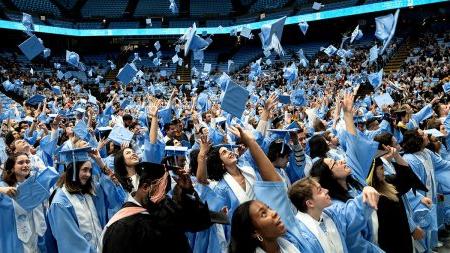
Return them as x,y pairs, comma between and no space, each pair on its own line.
384,188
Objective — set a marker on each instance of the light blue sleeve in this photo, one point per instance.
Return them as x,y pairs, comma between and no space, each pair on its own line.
447,122
296,167
420,116
442,172
153,152
353,215
383,127
62,220
360,153
274,194
347,215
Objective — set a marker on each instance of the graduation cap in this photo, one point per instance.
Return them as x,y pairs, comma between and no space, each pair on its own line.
27,21
317,6
290,73
303,27
31,47
284,99
330,50
56,90
127,73
47,52
104,131
175,150
31,193
446,87
271,35
120,135
234,99
72,58
36,99
175,58
298,98
246,32
173,7
81,130
74,155
157,45
207,67
193,41
356,34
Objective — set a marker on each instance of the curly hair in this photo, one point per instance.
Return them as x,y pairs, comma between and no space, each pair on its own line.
214,165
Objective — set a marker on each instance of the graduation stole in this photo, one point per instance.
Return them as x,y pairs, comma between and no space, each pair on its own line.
240,194
125,212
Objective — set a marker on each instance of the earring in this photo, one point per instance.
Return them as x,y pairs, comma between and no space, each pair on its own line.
259,237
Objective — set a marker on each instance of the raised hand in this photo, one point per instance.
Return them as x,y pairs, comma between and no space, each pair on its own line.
370,196
245,136
154,107
10,191
103,141
347,103
205,144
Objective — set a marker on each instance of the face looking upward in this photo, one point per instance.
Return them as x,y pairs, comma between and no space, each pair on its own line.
267,222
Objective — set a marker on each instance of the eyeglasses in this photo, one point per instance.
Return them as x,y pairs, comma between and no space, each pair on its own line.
334,163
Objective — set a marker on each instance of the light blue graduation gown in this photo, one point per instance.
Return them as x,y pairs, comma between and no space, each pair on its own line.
212,239
153,152
9,240
416,118
63,220
418,167
275,196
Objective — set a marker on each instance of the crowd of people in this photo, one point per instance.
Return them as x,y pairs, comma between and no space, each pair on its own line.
315,163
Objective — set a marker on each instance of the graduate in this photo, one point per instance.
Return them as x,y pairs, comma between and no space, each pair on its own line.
150,220
394,233
22,196
77,212
329,224
432,170
257,228
346,182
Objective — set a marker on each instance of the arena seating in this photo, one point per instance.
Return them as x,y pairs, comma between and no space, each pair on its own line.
210,7
101,8
37,6
147,8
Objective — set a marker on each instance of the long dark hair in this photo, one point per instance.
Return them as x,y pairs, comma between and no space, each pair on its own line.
75,186
243,230
321,171
9,176
121,171
214,165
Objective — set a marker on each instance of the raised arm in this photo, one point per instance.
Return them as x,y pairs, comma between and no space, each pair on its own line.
205,145
153,114
266,168
347,106
265,116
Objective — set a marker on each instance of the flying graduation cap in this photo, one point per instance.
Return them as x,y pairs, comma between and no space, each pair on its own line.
31,47
193,41
303,27
271,35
